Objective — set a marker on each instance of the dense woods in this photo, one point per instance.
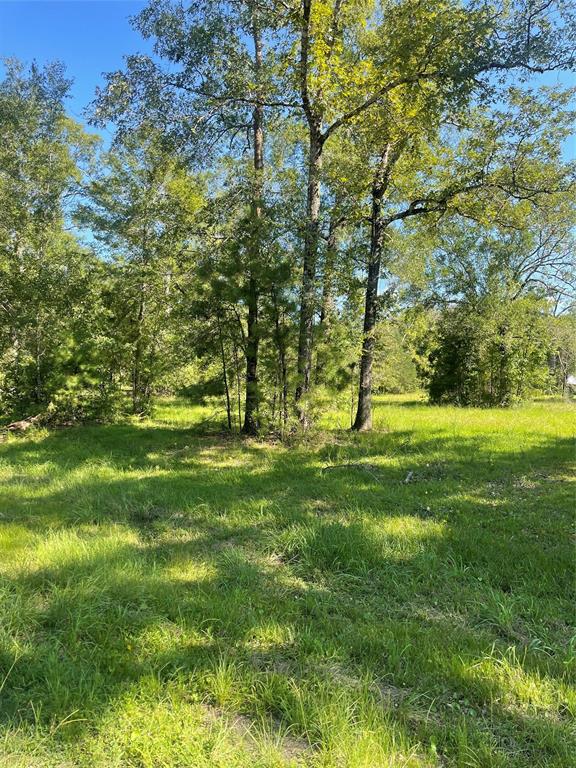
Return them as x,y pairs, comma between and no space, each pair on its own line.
302,202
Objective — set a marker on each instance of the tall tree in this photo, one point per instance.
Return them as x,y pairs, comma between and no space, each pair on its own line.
215,88
251,425
355,56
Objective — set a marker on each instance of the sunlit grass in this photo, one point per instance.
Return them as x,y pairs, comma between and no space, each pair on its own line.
174,596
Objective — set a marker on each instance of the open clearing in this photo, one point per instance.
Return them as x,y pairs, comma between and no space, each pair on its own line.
175,598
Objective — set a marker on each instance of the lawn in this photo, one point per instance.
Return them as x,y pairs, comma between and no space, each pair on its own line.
171,596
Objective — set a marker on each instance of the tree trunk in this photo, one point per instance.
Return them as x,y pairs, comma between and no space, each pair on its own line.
38,387
307,297
316,139
251,425
224,374
137,365
363,420
238,382
282,365
327,303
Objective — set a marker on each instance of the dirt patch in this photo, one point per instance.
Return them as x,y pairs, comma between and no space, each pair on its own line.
292,748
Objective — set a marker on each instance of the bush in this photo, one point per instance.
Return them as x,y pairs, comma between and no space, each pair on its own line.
491,353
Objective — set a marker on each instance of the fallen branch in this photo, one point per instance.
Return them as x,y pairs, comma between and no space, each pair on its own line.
23,424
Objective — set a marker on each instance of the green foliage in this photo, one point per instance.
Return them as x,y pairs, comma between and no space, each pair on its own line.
394,367
140,205
49,304
199,262
492,353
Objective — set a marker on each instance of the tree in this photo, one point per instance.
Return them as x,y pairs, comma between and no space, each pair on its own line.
44,273
492,352
220,89
498,262
357,57
134,206
274,167
495,156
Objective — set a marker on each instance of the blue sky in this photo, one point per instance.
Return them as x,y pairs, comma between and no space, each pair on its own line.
89,36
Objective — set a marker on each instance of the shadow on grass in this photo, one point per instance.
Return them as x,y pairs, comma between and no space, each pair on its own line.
188,549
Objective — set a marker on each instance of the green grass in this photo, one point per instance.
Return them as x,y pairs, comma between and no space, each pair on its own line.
170,597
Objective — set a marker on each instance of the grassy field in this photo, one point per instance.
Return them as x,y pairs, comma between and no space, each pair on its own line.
175,598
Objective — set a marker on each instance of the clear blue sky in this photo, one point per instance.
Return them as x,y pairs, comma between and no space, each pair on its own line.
89,36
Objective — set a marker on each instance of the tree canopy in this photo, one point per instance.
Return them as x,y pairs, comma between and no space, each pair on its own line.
303,200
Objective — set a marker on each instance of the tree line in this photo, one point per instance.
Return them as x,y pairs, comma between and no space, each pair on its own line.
303,200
